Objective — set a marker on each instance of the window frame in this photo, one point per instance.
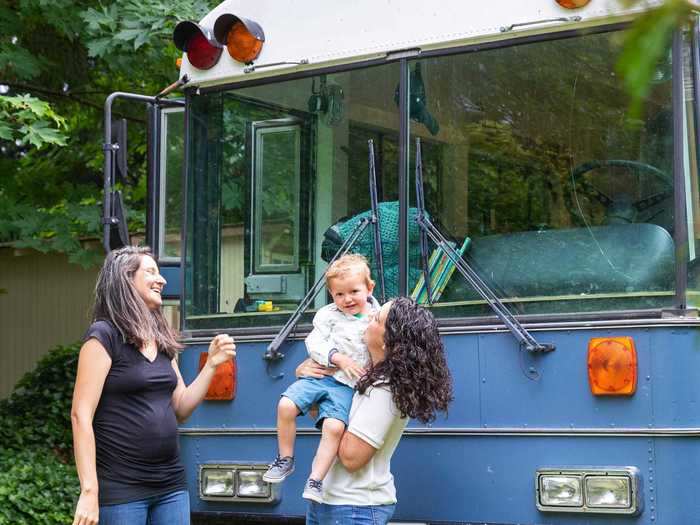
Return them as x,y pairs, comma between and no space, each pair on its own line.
258,130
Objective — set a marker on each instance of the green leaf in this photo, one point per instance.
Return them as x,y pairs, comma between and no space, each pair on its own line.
15,61
140,40
99,47
5,131
40,133
645,45
128,34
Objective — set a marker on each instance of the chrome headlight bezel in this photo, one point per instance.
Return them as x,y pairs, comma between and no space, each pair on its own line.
628,475
269,494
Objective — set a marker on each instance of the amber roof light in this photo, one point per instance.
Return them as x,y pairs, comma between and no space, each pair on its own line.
243,38
572,4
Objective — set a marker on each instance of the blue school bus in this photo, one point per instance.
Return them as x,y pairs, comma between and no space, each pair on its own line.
484,160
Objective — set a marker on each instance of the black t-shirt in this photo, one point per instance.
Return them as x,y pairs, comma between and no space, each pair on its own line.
136,441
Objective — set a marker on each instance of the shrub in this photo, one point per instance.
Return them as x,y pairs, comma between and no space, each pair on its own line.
38,411
38,481
36,488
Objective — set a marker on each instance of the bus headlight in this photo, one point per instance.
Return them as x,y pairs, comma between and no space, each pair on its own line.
601,490
216,482
251,484
561,490
608,491
236,482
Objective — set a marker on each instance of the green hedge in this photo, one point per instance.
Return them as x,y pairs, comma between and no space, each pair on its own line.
38,481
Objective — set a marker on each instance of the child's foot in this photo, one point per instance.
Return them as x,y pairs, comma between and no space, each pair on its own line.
279,470
313,490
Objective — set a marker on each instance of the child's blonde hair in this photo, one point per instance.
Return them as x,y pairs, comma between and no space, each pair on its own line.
349,263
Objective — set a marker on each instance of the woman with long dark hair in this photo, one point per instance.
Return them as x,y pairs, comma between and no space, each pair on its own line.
409,378
128,398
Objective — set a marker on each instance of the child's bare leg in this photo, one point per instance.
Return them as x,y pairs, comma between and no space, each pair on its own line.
331,432
287,413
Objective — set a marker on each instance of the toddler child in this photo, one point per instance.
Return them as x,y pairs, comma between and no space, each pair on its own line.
336,340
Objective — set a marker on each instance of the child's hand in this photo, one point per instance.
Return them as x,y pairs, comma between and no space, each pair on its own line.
310,368
348,365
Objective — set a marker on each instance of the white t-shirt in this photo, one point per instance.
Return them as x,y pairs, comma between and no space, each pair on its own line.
375,419
336,330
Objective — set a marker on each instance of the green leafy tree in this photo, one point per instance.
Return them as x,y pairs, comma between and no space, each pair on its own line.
58,62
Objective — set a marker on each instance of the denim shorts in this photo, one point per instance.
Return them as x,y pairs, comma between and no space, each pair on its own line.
332,397
166,509
322,514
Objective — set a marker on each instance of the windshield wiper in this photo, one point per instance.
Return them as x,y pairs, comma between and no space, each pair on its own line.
428,229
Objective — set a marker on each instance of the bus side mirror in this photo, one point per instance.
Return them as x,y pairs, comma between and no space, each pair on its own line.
118,230
119,138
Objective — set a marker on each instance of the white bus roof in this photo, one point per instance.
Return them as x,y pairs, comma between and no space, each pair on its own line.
311,34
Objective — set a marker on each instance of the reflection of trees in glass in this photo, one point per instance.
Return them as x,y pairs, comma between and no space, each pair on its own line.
175,154
237,114
280,192
530,114
279,199
386,148
386,163
508,188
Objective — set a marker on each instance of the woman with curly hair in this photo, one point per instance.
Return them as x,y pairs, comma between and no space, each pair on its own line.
408,378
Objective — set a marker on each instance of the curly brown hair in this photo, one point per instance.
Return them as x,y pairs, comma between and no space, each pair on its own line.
414,366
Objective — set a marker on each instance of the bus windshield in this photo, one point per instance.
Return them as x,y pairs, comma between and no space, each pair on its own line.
533,168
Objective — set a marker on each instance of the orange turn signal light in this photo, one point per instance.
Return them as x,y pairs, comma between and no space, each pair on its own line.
243,38
223,384
572,4
612,366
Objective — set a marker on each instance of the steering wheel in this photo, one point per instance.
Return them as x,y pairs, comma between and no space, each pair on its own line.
622,208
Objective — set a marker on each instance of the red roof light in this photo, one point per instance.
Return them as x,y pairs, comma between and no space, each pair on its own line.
203,51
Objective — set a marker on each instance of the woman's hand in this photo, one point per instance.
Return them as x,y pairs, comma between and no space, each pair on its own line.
221,349
186,398
310,368
87,511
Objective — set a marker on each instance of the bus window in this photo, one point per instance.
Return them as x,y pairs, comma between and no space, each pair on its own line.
562,202
272,168
172,151
276,197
